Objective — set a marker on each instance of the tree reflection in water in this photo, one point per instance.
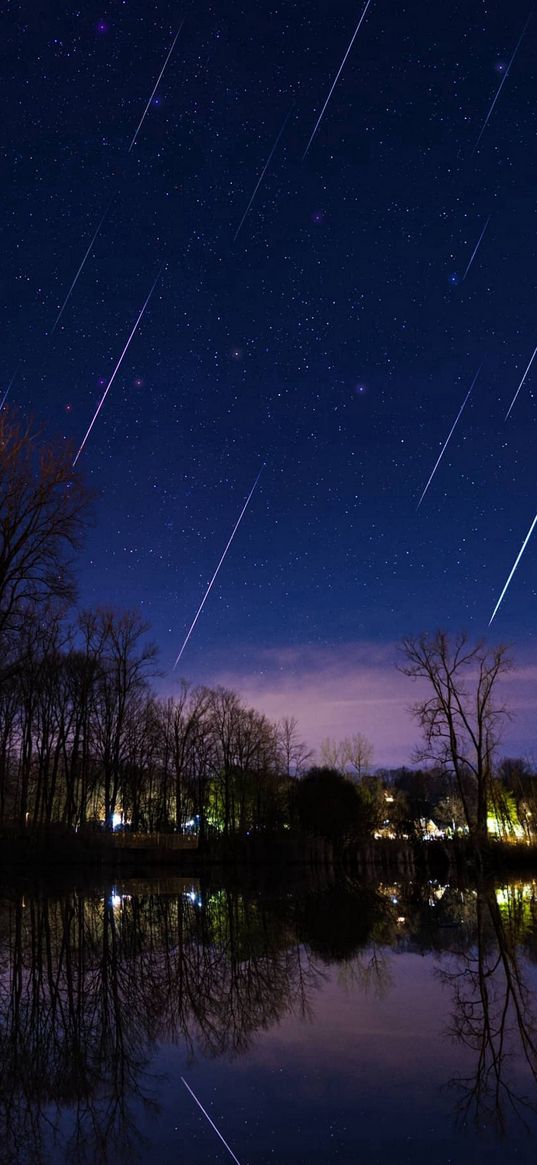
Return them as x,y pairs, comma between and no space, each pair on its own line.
91,983
493,1011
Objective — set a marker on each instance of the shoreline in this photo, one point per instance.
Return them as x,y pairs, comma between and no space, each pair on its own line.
445,859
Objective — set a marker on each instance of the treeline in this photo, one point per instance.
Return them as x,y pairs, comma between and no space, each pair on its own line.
84,738
86,741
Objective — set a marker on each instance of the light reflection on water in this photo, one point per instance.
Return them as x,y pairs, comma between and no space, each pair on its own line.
328,1022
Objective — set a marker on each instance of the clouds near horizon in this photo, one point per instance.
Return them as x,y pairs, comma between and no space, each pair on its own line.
357,687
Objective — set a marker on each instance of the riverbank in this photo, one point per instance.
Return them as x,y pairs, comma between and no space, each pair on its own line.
444,860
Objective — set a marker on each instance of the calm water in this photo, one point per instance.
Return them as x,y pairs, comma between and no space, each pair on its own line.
331,1023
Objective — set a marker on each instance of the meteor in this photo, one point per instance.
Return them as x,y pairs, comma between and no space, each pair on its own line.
502,83
261,176
80,269
475,250
211,1122
5,396
448,438
228,544
116,369
335,81
157,83
521,383
517,560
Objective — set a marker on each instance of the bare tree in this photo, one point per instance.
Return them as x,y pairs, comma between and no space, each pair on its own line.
126,664
224,712
182,720
42,506
357,752
331,754
294,753
460,720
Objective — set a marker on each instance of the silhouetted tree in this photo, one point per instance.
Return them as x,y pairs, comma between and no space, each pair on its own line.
293,751
183,719
460,720
331,754
125,664
328,805
43,506
357,754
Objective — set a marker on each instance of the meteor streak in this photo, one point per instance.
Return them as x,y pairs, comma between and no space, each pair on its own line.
79,272
475,250
211,1122
448,438
336,79
116,369
502,83
517,560
521,383
5,396
228,544
261,176
157,83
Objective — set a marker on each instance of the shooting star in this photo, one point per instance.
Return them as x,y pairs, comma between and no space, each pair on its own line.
261,176
449,436
116,369
335,81
475,250
5,396
517,560
80,269
211,1122
228,544
502,83
521,383
156,85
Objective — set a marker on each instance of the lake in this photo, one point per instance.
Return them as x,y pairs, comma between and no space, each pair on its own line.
312,1020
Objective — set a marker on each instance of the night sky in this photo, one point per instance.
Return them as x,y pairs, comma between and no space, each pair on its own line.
333,340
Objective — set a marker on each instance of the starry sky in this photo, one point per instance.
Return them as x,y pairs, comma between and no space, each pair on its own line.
332,340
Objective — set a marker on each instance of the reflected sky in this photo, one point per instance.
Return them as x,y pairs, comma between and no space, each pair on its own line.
346,1044
366,1080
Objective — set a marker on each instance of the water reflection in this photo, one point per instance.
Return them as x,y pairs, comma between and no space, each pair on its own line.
92,982
493,1012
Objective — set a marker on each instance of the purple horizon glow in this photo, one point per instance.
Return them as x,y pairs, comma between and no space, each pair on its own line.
356,687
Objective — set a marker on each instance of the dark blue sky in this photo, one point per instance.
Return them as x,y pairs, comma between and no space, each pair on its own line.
334,340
